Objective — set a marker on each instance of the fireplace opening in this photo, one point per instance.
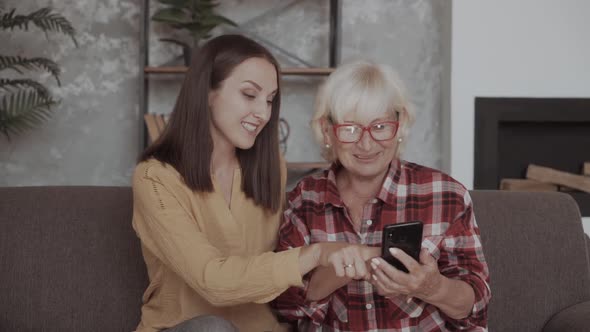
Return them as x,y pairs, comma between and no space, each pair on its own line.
552,134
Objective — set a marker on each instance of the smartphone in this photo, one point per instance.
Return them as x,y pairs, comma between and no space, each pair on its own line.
404,236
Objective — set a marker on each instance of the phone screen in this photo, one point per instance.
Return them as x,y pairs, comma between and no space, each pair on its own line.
405,236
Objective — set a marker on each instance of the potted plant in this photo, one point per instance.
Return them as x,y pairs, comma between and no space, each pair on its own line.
197,17
25,102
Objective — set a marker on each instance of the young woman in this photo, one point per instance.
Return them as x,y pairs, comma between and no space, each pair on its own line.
208,197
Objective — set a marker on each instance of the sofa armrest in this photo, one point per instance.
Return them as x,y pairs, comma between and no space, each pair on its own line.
571,319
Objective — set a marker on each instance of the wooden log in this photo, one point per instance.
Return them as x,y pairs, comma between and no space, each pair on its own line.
566,189
546,174
160,123
152,126
526,185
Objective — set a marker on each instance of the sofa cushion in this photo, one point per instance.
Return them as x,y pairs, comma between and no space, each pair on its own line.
535,247
70,260
573,319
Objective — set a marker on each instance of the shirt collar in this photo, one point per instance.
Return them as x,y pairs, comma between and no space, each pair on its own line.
386,193
390,184
332,193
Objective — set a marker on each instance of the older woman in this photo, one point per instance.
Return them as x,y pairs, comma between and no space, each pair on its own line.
362,119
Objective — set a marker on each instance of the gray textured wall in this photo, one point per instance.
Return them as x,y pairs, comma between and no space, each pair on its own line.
406,35
92,138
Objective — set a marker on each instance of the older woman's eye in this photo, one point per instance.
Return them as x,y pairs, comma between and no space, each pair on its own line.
380,126
248,95
351,129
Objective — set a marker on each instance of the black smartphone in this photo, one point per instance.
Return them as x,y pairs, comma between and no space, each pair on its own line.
404,236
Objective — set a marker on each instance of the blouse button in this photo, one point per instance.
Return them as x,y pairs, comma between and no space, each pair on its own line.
369,222
369,306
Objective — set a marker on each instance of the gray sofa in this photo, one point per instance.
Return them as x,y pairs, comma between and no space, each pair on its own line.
70,261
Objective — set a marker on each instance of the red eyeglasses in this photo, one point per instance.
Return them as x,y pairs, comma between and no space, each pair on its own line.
352,132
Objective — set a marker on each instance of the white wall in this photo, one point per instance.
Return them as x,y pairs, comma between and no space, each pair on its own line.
507,48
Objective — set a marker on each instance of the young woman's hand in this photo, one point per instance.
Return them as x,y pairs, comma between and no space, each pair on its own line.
348,259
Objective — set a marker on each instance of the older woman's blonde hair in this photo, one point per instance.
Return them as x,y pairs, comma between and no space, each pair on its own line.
366,89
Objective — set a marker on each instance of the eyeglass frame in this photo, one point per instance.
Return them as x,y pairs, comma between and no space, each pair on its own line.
363,129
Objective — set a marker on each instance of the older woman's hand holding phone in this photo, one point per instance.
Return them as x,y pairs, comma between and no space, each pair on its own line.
422,280
408,270
405,268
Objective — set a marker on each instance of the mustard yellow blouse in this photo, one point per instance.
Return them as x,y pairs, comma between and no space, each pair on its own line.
205,258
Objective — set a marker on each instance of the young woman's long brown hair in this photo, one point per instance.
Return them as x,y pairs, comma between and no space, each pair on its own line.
186,143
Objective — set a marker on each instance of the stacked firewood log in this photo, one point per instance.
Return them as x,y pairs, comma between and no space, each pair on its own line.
539,178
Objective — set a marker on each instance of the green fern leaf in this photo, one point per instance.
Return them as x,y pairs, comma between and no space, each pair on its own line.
175,42
170,15
196,16
43,18
175,3
18,64
23,111
11,85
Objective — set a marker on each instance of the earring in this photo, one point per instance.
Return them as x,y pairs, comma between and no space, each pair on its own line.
400,139
327,146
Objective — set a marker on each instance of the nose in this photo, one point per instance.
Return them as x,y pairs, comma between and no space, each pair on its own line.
262,111
366,141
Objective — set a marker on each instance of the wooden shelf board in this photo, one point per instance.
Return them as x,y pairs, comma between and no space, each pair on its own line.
285,71
307,165
307,71
165,70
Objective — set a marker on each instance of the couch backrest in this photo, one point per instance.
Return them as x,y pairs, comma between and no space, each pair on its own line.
69,260
535,247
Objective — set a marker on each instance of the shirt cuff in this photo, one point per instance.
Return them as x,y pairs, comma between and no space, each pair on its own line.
477,316
316,310
286,271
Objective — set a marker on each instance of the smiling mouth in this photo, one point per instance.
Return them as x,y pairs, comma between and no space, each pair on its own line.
251,128
367,157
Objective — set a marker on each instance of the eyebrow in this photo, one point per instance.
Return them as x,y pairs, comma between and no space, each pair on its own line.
384,119
379,120
258,87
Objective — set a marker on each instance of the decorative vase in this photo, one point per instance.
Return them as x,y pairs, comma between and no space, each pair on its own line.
284,131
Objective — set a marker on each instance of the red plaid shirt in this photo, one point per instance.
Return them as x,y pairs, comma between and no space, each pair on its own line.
316,213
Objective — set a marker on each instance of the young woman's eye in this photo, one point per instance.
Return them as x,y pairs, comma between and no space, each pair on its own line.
269,102
249,96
